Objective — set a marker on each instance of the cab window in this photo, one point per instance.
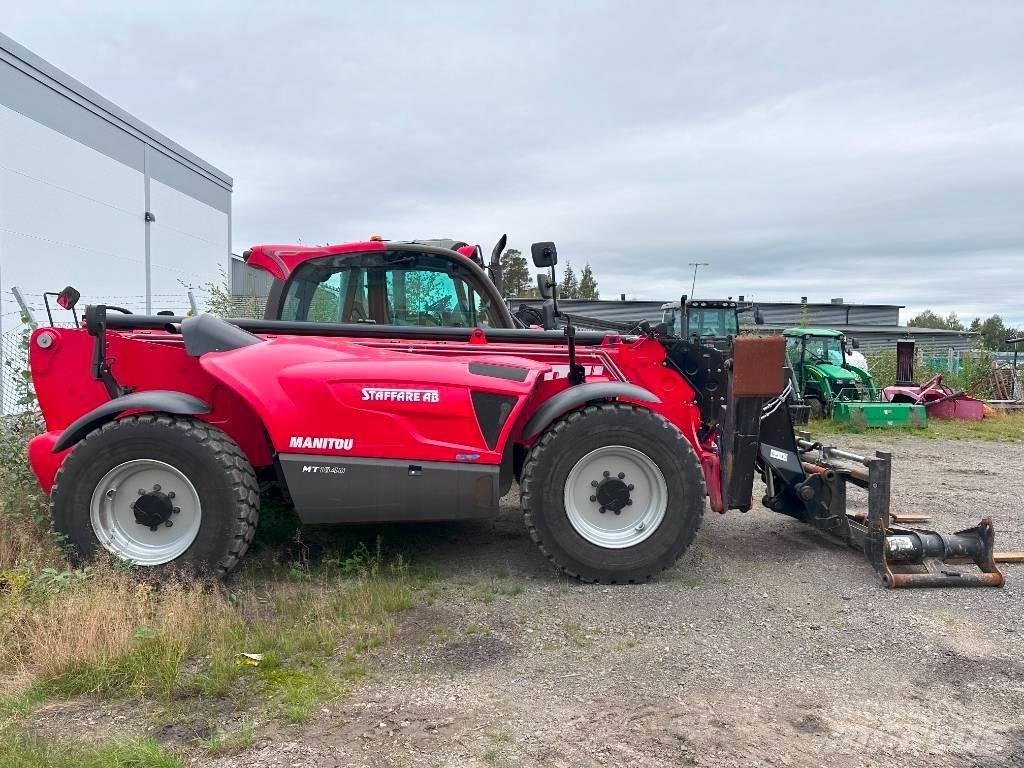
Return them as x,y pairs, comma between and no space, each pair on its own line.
389,288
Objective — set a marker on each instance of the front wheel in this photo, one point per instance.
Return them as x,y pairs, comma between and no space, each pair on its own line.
158,491
613,493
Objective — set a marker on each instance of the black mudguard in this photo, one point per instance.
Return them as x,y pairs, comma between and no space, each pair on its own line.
151,400
573,397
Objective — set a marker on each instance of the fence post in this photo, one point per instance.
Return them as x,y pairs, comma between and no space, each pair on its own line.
192,304
26,310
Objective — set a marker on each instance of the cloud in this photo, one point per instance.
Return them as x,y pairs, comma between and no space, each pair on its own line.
814,150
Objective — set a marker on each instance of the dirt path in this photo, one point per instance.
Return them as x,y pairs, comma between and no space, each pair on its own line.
767,645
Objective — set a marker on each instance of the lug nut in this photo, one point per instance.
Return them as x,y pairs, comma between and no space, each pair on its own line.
111,492
175,510
169,523
629,502
152,527
594,483
629,487
607,473
142,491
593,498
156,488
640,527
622,475
602,510
170,495
618,511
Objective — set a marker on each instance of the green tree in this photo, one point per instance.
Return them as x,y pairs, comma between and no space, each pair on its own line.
929,319
588,285
994,333
570,286
515,274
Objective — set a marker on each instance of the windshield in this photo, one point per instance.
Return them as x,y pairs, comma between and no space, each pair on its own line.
390,288
819,349
713,322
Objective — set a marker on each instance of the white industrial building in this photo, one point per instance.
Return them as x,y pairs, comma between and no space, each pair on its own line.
92,197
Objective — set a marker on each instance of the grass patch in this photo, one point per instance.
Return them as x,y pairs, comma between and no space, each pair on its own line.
230,742
576,634
17,751
111,635
495,587
1002,427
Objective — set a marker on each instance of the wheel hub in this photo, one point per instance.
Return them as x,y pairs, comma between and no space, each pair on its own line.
154,508
613,494
146,511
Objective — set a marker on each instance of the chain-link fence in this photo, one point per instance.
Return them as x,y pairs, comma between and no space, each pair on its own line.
16,323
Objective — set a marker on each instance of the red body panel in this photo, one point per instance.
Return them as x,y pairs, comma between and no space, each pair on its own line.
394,398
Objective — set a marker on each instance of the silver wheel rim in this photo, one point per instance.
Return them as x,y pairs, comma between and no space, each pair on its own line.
635,522
113,513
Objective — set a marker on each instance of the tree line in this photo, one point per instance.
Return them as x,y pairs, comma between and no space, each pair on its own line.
518,280
994,333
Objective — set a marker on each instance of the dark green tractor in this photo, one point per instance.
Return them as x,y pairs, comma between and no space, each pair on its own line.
831,386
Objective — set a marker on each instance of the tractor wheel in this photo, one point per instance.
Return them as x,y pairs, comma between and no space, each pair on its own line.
160,491
816,408
613,493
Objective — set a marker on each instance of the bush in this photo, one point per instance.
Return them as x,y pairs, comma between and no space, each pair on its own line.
972,374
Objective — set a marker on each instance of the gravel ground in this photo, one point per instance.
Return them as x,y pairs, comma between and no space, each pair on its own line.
767,645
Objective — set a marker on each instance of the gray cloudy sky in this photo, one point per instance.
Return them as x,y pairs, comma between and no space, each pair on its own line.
868,150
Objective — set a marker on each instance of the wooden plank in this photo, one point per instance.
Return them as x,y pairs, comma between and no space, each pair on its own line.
1008,557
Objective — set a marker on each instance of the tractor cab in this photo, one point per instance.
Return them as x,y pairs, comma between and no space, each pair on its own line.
712,322
818,360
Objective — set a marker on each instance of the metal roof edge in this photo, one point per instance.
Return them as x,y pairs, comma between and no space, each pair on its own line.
38,68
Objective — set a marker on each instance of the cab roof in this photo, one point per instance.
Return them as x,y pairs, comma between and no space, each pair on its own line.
800,332
280,260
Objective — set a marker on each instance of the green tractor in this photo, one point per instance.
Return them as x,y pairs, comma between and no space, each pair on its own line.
830,386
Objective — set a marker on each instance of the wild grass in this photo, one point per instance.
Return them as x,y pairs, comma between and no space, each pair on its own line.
1001,427
21,751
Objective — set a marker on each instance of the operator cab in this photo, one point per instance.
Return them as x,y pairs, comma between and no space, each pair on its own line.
432,283
711,322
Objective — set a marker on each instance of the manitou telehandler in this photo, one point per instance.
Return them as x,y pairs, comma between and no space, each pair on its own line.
394,385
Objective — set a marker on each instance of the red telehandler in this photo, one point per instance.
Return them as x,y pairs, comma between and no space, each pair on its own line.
390,382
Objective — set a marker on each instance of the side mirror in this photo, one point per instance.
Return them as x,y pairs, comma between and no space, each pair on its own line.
545,285
544,254
68,298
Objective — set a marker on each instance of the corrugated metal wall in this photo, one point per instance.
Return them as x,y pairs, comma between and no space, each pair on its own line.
776,314
828,315
249,289
933,344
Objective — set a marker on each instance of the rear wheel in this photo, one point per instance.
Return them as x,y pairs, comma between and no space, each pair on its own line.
159,491
613,493
816,408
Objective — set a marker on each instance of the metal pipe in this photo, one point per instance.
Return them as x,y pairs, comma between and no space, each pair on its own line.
830,451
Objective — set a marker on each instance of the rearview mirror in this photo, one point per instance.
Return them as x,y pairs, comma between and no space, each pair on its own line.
544,254
68,298
545,285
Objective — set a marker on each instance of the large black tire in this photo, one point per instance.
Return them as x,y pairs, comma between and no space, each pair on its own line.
574,436
214,464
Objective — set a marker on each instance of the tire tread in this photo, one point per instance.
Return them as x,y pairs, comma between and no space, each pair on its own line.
543,446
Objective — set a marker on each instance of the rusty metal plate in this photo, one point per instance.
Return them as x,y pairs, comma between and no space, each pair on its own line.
758,366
